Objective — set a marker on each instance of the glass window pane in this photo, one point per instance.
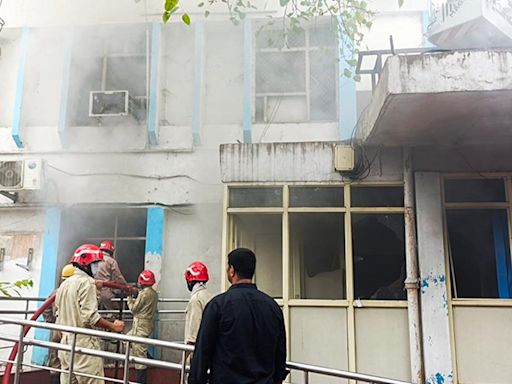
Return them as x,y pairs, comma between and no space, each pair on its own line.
323,69
130,257
280,72
317,253
131,222
476,190
478,245
377,197
379,256
263,234
316,196
255,197
323,35
259,114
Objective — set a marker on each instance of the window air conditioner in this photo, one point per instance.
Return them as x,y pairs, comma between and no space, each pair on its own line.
17,175
108,103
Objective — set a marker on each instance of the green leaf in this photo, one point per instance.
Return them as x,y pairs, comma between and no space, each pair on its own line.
400,3
352,62
357,78
283,3
166,16
186,18
206,14
200,5
347,72
5,292
171,4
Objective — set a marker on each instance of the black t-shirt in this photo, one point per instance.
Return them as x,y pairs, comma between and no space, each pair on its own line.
241,340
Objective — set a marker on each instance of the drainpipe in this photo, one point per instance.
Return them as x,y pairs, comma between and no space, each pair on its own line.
412,281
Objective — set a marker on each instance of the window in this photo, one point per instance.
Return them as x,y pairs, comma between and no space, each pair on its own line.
109,59
478,240
263,234
306,228
126,227
296,75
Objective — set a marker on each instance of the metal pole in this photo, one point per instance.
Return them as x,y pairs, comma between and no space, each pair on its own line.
118,344
19,360
126,370
27,304
183,367
72,359
412,282
306,377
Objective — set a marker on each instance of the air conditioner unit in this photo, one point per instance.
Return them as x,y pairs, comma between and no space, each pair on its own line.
17,175
108,103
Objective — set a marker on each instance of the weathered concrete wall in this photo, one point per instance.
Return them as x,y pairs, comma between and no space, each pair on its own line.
295,162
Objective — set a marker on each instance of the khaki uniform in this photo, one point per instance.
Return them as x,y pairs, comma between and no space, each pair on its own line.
200,296
77,306
143,309
109,271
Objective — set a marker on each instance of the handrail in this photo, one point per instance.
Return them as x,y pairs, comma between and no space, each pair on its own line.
128,340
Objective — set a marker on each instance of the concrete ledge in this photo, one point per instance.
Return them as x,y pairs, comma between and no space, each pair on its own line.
457,98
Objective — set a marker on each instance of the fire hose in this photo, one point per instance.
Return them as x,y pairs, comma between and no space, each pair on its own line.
46,304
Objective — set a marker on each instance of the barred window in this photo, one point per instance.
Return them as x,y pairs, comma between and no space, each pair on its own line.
296,74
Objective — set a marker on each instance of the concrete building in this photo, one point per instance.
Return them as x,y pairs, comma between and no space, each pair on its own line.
180,143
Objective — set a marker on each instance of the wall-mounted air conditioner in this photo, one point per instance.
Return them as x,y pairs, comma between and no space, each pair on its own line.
16,175
108,103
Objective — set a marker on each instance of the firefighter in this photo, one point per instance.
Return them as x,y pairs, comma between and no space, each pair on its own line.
50,316
77,306
108,271
196,276
143,308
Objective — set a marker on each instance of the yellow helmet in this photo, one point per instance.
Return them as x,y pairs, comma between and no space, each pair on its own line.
68,271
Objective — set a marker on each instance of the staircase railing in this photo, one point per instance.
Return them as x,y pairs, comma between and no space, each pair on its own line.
126,358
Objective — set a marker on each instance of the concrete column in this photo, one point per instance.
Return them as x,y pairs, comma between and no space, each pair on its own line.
434,294
49,273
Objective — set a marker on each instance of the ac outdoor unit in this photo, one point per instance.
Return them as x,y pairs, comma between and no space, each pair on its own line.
18,175
108,103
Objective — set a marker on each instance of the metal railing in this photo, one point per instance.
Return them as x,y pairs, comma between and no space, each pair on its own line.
126,358
27,311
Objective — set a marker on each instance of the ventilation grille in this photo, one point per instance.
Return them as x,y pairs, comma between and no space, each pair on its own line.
11,174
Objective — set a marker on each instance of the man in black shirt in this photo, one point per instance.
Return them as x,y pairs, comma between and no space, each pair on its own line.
241,339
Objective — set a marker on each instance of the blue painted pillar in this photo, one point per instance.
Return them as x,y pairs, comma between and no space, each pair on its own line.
20,84
153,254
152,121
197,116
48,277
248,59
434,293
347,101
64,93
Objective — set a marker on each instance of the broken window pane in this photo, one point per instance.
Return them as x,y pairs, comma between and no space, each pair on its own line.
263,234
255,197
379,256
474,190
130,257
316,196
377,197
317,256
478,248
131,222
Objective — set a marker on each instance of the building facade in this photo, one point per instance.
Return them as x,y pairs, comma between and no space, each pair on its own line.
180,143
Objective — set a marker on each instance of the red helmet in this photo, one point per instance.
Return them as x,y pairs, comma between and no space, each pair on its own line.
107,246
146,277
87,254
196,271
